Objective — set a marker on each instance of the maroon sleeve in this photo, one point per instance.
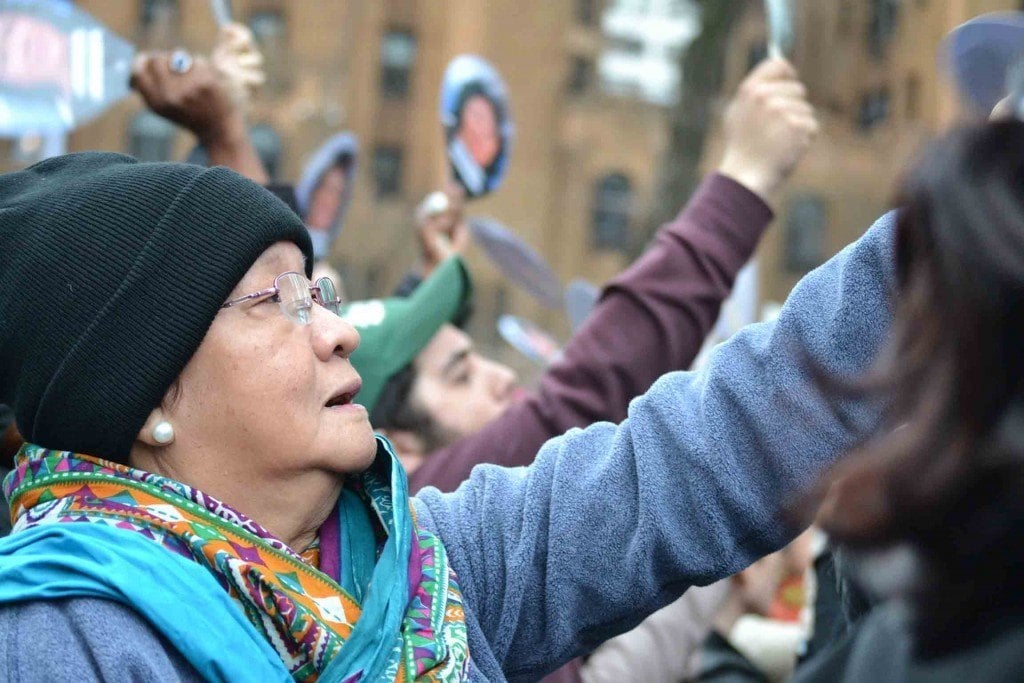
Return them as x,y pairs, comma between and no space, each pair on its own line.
650,320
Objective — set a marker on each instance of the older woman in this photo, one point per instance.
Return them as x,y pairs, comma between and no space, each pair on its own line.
200,497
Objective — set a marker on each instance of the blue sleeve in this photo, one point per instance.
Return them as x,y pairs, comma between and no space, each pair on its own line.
85,639
612,522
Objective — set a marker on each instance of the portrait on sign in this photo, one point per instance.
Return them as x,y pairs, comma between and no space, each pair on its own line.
477,124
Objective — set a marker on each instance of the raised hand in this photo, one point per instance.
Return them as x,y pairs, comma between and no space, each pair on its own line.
769,126
441,225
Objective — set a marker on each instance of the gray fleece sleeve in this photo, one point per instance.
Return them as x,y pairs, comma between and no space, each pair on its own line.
614,521
84,639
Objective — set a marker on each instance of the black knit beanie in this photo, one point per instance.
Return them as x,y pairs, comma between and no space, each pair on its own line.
111,272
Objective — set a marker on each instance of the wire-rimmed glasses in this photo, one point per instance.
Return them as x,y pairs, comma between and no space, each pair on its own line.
296,296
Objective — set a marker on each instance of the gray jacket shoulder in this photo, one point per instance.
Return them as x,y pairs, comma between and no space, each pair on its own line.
85,639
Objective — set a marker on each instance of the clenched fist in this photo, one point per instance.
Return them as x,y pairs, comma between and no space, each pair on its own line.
769,125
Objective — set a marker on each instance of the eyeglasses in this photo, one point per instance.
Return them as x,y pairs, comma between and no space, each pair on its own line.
296,295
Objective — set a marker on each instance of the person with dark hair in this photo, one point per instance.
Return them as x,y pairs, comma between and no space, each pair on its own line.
931,515
479,125
451,408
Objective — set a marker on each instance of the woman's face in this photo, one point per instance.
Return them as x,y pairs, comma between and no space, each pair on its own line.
326,199
479,130
264,396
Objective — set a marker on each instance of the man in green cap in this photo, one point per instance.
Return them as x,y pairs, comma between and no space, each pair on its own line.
394,331
448,408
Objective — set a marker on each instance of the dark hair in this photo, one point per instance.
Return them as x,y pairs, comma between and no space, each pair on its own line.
393,410
948,478
473,89
396,409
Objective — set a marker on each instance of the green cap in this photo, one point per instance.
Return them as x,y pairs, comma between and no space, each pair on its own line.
395,330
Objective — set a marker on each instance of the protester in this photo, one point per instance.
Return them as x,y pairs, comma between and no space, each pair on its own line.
209,516
931,515
720,448
452,409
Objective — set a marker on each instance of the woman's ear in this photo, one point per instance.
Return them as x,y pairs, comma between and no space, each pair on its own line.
157,431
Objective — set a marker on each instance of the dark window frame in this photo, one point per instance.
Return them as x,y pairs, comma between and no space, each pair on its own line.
805,245
388,161
612,209
396,74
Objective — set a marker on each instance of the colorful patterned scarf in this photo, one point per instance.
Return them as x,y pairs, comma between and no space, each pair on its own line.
409,626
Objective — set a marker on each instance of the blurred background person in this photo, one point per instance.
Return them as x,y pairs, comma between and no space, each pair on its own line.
929,515
450,401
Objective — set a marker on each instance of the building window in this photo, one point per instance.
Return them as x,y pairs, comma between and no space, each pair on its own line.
874,109
581,75
881,26
270,30
387,170
913,97
397,55
679,8
158,21
150,137
626,45
613,206
158,11
806,235
268,147
586,12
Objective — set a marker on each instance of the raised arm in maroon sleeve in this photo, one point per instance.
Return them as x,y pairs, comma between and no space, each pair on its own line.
650,320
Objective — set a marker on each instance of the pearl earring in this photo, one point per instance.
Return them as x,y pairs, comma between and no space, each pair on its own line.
163,432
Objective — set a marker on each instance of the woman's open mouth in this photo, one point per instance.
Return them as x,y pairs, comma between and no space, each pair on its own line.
345,397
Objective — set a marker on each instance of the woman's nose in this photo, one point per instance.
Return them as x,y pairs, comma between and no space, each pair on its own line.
333,335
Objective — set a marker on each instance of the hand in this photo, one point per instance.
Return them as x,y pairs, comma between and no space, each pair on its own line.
769,125
208,100
442,232
197,100
239,62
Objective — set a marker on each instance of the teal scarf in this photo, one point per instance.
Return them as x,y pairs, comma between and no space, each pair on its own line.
391,610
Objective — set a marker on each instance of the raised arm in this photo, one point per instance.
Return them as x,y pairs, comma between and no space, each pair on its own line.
210,98
612,522
653,318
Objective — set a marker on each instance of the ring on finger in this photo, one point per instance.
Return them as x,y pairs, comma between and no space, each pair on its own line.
180,62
